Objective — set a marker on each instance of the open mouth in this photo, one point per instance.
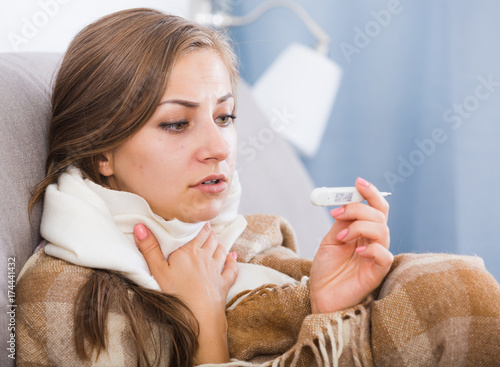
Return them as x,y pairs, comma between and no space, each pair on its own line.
211,182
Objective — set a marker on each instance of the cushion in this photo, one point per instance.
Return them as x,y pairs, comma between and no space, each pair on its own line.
25,108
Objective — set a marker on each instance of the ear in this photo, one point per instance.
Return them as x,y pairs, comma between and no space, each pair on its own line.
106,164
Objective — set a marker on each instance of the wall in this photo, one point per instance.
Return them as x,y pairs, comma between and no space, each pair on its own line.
417,112
49,25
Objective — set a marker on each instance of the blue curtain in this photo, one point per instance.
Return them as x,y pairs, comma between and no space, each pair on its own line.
417,113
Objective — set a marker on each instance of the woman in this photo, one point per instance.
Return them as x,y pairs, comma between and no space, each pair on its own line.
142,151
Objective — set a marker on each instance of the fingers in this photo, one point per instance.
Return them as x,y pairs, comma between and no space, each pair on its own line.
230,271
358,211
208,242
202,236
372,196
374,232
359,220
148,246
220,254
381,256
211,245
220,257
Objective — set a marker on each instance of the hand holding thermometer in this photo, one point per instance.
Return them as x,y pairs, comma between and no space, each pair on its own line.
331,196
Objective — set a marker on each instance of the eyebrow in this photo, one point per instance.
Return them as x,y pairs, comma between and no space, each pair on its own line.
224,98
190,104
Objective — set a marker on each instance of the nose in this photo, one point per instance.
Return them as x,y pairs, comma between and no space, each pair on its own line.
214,144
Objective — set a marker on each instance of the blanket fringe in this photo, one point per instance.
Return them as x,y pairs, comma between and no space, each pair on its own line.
326,351
319,349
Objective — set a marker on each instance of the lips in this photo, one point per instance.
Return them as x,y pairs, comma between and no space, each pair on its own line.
213,184
212,179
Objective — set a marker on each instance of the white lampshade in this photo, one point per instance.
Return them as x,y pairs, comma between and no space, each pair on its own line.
297,93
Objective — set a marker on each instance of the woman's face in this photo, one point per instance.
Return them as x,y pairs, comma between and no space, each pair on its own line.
182,160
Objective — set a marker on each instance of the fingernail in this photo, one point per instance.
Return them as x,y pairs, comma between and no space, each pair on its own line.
360,249
234,254
363,182
140,231
337,211
342,234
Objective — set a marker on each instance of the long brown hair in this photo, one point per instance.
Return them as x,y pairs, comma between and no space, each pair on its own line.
110,82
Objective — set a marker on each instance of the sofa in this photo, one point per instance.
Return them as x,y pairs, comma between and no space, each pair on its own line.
273,177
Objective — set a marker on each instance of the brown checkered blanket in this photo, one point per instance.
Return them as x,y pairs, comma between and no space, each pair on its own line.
431,310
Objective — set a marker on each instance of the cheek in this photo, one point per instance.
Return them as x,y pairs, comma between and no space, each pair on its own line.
141,165
232,141
166,160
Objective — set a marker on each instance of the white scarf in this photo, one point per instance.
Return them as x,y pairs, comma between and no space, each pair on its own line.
89,225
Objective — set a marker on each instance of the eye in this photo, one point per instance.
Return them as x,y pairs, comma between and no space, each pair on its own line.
174,127
225,120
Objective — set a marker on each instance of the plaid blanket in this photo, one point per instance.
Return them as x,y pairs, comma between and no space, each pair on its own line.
431,310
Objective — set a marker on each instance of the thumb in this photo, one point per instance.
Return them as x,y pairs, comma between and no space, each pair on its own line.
148,246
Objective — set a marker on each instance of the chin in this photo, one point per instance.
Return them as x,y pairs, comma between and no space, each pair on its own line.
202,215
206,217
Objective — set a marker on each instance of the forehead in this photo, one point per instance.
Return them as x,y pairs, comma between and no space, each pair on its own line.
198,73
